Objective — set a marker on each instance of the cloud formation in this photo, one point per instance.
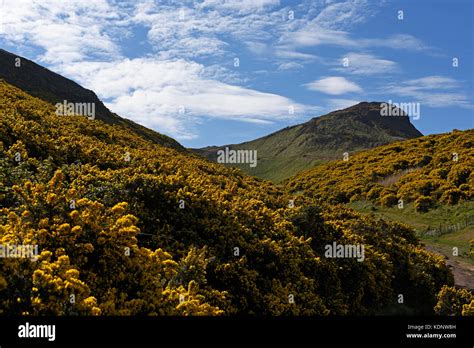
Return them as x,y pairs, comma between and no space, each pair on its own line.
169,65
172,95
433,91
365,64
334,85
61,29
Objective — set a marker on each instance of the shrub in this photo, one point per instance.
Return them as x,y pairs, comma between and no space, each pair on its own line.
389,200
452,301
467,191
468,309
423,204
420,167
440,173
459,174
374,192
452,196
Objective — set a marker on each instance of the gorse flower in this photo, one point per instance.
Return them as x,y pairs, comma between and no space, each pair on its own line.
168,233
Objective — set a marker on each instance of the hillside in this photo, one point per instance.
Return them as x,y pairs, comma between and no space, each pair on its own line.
293,149
130,227
431,170
51,87
426,183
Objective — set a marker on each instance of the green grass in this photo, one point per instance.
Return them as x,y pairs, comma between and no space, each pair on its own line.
291,150
270,168
432,220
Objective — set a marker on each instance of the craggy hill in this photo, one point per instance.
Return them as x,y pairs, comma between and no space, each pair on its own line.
321,139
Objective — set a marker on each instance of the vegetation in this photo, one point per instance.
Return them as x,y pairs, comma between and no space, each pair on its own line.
429,171
55,88
125,226
452,301
425,183
442,228
321,139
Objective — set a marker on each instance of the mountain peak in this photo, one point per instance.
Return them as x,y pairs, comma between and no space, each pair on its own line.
371,115
321,139
367,109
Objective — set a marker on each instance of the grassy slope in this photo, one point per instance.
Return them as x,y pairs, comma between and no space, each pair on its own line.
293,149
435,220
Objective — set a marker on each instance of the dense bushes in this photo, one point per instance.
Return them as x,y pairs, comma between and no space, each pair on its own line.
452,301
127,227
431,170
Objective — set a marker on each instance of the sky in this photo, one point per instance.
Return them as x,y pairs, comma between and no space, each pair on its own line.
215,72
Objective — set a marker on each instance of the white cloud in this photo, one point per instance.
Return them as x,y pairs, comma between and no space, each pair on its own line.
398,41
345,14
223,74
365,64
170,96
432,91
432,82
258,48
285,52
334,85
290,66
239,5
192,30
315,35
60,28
285,55
205,29
329,23
190,47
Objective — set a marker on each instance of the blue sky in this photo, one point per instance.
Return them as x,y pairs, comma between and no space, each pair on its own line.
214,72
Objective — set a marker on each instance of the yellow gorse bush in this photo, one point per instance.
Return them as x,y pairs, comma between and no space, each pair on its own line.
128,227
436,169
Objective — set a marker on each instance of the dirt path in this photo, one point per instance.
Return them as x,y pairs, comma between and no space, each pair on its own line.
463,272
